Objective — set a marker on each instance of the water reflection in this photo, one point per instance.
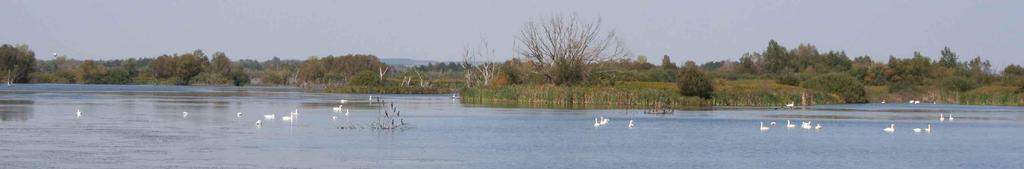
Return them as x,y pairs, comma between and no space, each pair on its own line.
15,110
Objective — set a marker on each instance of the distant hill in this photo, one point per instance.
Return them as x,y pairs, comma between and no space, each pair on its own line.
406,61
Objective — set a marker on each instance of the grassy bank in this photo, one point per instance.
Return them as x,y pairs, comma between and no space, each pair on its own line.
986,95
765,93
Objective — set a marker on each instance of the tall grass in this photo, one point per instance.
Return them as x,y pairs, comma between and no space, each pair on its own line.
989,95
387,89
578,97
985,95
644,95
764,93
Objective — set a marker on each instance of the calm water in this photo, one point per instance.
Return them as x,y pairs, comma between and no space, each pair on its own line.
143,127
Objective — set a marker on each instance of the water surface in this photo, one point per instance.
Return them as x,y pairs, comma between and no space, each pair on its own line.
143,127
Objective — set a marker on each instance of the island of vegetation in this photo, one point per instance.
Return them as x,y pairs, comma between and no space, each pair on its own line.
564,61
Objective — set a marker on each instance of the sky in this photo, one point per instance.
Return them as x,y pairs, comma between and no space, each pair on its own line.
438,30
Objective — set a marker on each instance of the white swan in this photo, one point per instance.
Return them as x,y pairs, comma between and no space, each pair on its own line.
763,128
343,101
772,123
337,108
239,114
631,125
334,117
942,117
951,117
805,125
269,116
818,127
883,101
286,118
604,121
917,130
78,113
890,129
346,112
790,105
597,123
929,129
184,114
790,125
259,123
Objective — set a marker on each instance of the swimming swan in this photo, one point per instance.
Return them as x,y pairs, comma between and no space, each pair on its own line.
763,128
890,129
790,125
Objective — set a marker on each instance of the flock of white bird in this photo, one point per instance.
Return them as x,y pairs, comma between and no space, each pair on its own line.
598,122
789,124
259,123
601,121
891,129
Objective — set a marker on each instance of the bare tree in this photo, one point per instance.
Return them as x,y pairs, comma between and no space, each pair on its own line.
567,48
383,70
484,71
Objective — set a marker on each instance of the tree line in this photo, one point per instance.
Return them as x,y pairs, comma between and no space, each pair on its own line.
19,65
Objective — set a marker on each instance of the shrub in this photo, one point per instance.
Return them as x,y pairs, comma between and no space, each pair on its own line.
959,84
840,84
693,82
789,79
366,78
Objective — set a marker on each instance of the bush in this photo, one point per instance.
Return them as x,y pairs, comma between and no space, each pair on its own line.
841,84
959,84
693,82
366,78
789,79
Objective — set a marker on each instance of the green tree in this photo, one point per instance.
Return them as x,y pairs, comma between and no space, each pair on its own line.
948,59
310,71
693,82
90,73
1013,70
16,63
776,59
750,63
666,63
220,64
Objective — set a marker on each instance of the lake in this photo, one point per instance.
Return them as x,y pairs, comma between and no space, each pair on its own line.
143,127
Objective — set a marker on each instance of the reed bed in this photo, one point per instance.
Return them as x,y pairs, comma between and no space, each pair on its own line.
387,90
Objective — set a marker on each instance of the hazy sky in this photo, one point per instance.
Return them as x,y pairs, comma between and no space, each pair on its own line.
438,30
